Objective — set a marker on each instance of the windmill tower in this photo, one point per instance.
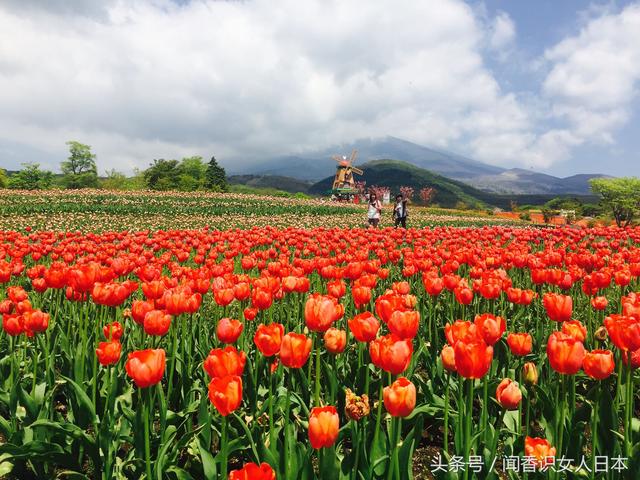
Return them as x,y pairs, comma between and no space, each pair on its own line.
344,184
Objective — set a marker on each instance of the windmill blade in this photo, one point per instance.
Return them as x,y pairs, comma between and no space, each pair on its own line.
357,170
354,154
339,159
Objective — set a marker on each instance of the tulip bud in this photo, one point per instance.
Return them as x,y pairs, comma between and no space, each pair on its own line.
530,373
601,334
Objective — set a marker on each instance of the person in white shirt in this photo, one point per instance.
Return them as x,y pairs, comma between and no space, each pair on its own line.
374,211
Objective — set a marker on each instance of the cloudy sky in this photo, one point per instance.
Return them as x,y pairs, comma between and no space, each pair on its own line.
545,84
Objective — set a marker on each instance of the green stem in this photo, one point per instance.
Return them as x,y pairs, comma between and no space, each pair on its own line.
174,349
223,448
286,428
35,368
467,432
594,430
356,447
485,398
317,389
147,449
560,423
376,431
628,407
445,433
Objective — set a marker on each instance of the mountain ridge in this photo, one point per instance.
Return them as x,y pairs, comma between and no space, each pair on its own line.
317,165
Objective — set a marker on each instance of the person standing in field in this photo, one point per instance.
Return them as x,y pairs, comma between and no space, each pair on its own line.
375,210
400,211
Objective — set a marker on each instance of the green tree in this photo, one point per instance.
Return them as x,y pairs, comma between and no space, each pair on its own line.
80,169
163,175
3,178
114,180
192,174
619,195
216,177
31,178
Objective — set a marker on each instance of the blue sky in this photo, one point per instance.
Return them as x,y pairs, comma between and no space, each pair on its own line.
546,85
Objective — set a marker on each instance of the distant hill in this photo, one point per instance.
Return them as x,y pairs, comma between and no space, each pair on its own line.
396,173
520,181
286,184
317,165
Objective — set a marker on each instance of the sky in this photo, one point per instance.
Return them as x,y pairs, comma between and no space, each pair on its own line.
546,85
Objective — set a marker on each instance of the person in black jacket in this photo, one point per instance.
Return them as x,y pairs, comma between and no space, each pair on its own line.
400,211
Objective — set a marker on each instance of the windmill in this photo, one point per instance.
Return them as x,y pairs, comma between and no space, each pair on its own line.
344,184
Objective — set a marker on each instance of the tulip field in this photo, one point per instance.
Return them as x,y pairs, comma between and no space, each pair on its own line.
299,352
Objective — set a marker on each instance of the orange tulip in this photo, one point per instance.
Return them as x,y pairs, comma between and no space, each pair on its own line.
599,303
404,323
575,329
324,425
559,307
35,321
520,343
448,356
295,349
225,393
508,394
228,330
335,340
460,330
565,353
400,397
146,367
268,338
364,327
598,364
222,362
541,450
473,359
391,353
321,311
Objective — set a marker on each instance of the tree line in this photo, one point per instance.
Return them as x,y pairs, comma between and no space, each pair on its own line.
79,170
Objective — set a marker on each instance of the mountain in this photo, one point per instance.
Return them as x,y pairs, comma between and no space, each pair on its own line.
519,181
316,165
286,184
396,173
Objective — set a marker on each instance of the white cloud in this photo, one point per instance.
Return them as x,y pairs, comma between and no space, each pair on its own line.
594,75
503,32
146,79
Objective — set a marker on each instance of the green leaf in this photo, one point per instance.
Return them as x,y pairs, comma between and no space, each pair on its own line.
83,409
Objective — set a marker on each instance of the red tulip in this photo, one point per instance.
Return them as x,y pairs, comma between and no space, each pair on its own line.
146,367
251,471
598,364
108,352
508,394
321,311
391,353
565,353
225,393
490,327
575,329
473,359
559,307
222,362
364,327
157,322
404,324
113,331
228,330
268,338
